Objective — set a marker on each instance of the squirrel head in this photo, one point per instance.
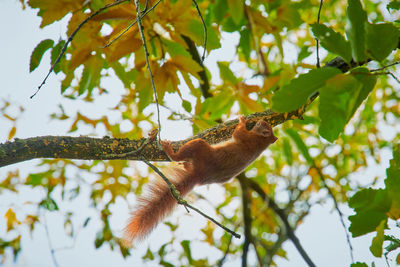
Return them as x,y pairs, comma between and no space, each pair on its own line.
265,130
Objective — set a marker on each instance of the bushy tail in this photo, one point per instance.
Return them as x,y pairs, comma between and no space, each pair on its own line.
157,204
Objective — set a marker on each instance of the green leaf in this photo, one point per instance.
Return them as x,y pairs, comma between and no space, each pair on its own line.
90,75
38,52
230,26
96,4
236,10
225,73
371,206
365,222
161,251
392,183
174,48
367,82
370,200
332,41
39,179
49,204
187,105
220,9
287,152
334,104
394,243
355,29
304,52
124,251
245,43
55,52
99,240
377,241
149,255
359,264
166,264
66,83
126,77
145,92
35,179
297,92
340,99
217,105
300,145
394,4
196,30
186,248
382,39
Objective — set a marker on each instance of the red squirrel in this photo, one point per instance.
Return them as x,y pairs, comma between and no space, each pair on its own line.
202,164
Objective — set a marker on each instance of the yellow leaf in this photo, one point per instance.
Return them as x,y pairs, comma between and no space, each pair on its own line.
250,103
9,117
126,11
12,132
79,56
140,59
11,219
89,31
31,220
270,82
51,10
244,91
127,44
261,21
208,232
187,65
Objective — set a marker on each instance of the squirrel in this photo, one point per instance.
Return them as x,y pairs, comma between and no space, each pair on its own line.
202,164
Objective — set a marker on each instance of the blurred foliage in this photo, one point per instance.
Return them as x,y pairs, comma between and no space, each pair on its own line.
343,131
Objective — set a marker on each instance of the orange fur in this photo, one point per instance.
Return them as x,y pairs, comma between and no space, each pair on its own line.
202,164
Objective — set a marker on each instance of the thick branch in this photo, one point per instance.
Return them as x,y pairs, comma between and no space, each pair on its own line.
204,83
90,148
246,203
111,148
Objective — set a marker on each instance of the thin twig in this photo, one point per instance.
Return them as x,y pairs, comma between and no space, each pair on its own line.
388,73
204,29
146,54
387,66
131,25
175,193
281,214
52,251
145,6
117,2
322,177
318,18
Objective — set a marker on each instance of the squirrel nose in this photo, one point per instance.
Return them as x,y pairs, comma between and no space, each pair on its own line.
274,138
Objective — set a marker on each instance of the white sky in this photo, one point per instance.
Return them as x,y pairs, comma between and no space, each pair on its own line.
321,233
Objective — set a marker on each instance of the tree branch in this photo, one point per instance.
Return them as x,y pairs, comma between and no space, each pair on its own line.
106,148
111,148
192,49
246,218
